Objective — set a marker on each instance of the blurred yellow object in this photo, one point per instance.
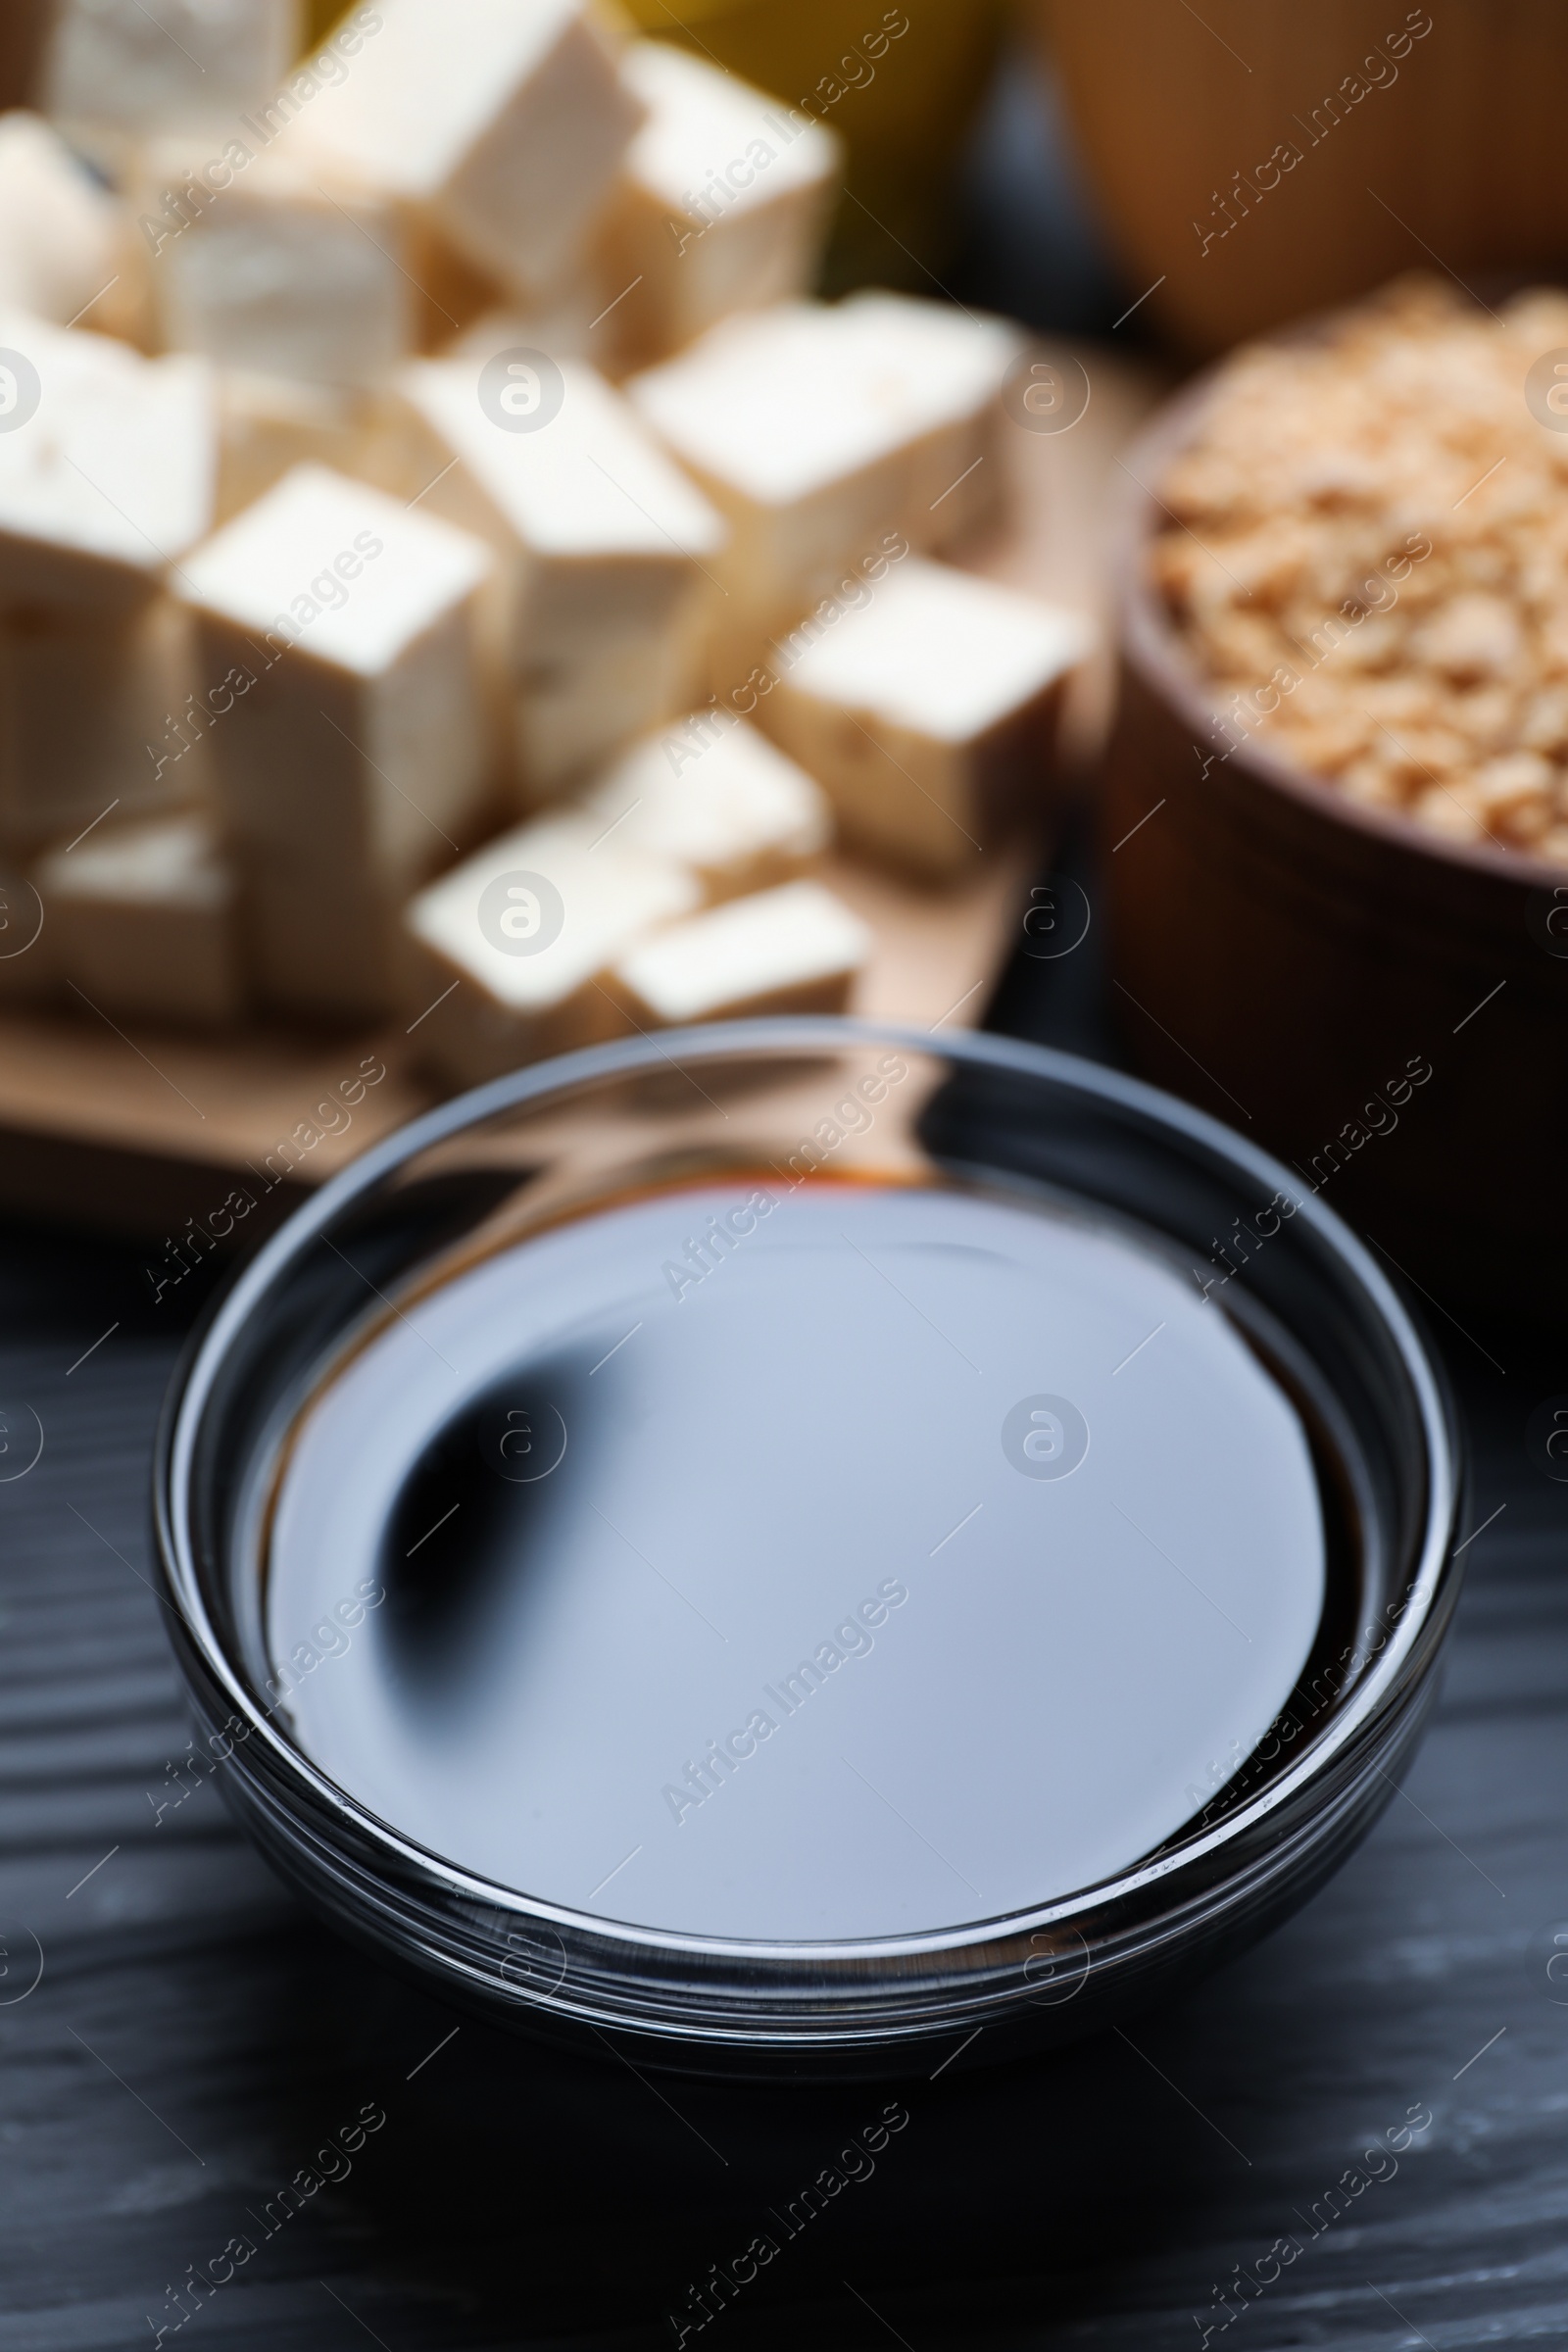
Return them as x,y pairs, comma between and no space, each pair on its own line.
902,114
322,16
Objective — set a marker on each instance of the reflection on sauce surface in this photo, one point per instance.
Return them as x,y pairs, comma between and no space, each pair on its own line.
891,1558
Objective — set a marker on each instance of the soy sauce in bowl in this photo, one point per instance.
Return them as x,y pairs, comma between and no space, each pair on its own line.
822,1565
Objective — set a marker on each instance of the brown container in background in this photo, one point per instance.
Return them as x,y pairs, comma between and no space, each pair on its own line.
1410,147
22,23
1291,960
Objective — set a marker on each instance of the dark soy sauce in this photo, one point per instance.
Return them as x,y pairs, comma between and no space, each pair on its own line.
859,1563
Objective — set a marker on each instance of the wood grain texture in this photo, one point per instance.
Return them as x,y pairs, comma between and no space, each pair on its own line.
196,2038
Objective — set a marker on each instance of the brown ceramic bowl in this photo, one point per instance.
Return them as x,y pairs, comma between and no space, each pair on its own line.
1258,162
1290,960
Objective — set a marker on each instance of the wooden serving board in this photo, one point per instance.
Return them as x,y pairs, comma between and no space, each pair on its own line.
144,1133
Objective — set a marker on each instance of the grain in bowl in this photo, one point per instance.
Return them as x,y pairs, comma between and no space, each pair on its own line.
1366,560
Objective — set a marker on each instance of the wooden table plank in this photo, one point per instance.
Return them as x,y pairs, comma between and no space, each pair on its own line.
196,2036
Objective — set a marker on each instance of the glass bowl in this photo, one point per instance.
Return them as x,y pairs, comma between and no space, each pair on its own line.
984,1117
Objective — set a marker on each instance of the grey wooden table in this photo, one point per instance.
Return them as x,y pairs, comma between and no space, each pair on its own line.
196,2040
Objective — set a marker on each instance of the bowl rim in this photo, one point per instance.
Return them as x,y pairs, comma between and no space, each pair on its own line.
1147,639
1436,1574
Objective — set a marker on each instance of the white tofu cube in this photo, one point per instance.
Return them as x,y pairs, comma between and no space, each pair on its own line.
111,478
88,712
66,250
267,425
351,754
143,923
560,321
511,952
119,70
578,707
929,714
724,204
502,121
817,429
797,949
288,271
717,797
271,257
607,549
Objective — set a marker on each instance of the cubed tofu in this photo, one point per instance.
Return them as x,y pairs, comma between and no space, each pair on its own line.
819,428
66,251
575,709
929,714
122,70
724,204
560,321
501,122
510,953
608,549
267,425
90,705
143,923
109,478
288,271
352,755
797,949
716,795
272,258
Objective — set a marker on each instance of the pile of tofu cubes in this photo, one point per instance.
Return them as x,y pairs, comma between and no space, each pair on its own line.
451,570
